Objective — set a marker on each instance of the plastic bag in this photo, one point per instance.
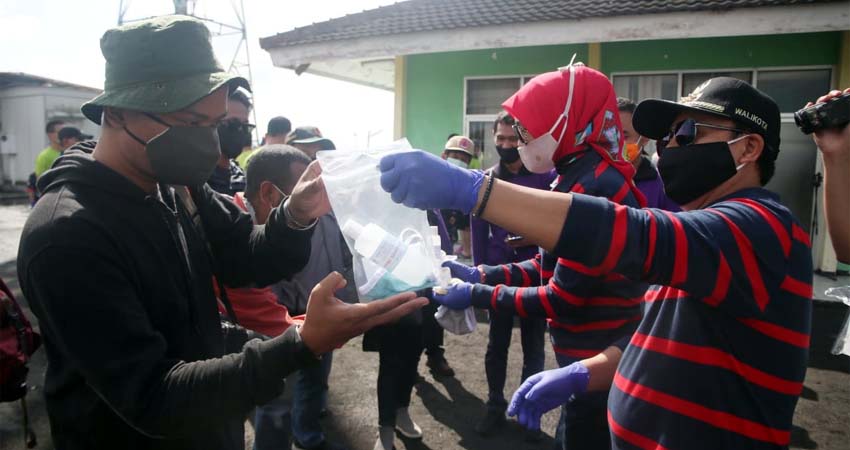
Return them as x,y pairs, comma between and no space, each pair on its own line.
394,248
455,321
842,342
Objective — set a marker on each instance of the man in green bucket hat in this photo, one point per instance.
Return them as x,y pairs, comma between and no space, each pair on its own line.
118,258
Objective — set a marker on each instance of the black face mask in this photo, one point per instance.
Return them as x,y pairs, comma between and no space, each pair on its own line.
690,171
508,155
233,136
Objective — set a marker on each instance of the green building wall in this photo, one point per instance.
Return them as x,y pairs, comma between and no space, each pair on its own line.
803,49
434,85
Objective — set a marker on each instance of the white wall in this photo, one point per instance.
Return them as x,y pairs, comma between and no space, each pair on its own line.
24,111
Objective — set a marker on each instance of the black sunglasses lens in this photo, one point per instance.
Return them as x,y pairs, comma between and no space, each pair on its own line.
684,132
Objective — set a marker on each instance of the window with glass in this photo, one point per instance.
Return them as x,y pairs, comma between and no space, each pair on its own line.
792,89
691,81
641,87
484,97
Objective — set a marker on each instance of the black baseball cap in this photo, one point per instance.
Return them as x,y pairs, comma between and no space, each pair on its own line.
72,132
725,97
309,135
279,126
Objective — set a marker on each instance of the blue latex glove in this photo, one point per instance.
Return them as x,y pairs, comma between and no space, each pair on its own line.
546,391
458,296
419,179
463,272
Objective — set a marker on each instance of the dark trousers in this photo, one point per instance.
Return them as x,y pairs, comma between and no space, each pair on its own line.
401,347
584,423
532,332
584,419
273,421
432,332
310,398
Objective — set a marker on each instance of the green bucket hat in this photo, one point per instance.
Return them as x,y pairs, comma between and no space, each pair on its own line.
158,65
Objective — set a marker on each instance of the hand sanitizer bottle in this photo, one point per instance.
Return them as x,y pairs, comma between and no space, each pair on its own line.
407,262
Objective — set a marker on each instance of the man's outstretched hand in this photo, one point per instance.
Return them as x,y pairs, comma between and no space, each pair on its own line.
330,322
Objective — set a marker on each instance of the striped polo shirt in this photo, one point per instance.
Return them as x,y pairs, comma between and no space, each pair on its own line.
587,312
719,359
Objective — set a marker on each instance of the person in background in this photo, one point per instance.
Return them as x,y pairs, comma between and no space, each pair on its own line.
493,245
68,136
399,347
309,140
234,134
646,175
268,182
328,253
276,133
54,148
278,130
433,333
459,150
258,308
834,145
45,158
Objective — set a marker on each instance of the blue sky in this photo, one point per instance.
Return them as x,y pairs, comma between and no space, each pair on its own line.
60,39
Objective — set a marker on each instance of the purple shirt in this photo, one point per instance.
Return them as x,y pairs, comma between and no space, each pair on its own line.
649,182
488,240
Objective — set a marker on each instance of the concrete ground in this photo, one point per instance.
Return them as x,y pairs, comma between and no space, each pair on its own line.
447,409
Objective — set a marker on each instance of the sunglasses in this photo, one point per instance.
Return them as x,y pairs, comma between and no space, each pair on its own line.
235,124
521,133
685,132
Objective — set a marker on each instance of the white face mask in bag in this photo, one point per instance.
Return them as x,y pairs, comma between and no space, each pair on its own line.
537,155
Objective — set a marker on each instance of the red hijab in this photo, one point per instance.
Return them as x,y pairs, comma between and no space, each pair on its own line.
593,119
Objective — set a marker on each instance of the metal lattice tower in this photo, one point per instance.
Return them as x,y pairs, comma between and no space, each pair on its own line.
240,62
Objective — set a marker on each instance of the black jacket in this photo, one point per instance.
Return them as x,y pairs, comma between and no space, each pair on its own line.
129,317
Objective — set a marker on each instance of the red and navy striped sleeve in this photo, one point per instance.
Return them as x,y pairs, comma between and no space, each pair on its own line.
731,255
521,274
719,359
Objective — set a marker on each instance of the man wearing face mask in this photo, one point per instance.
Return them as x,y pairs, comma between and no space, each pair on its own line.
646,175
720,355
493,245
117,261
234,134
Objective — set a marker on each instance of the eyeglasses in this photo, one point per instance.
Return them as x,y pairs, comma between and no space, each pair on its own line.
521,133
238,126
686,131
512,139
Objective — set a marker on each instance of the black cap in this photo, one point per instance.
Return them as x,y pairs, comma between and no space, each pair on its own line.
309,135
725,97
72,132
279,126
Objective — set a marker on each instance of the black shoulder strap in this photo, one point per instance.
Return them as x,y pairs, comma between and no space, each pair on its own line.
188,202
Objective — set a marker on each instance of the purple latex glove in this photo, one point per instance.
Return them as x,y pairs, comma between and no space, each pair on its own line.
419,179
457,296
463,272
546,391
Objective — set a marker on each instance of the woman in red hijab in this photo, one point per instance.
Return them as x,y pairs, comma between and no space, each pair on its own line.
567,120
